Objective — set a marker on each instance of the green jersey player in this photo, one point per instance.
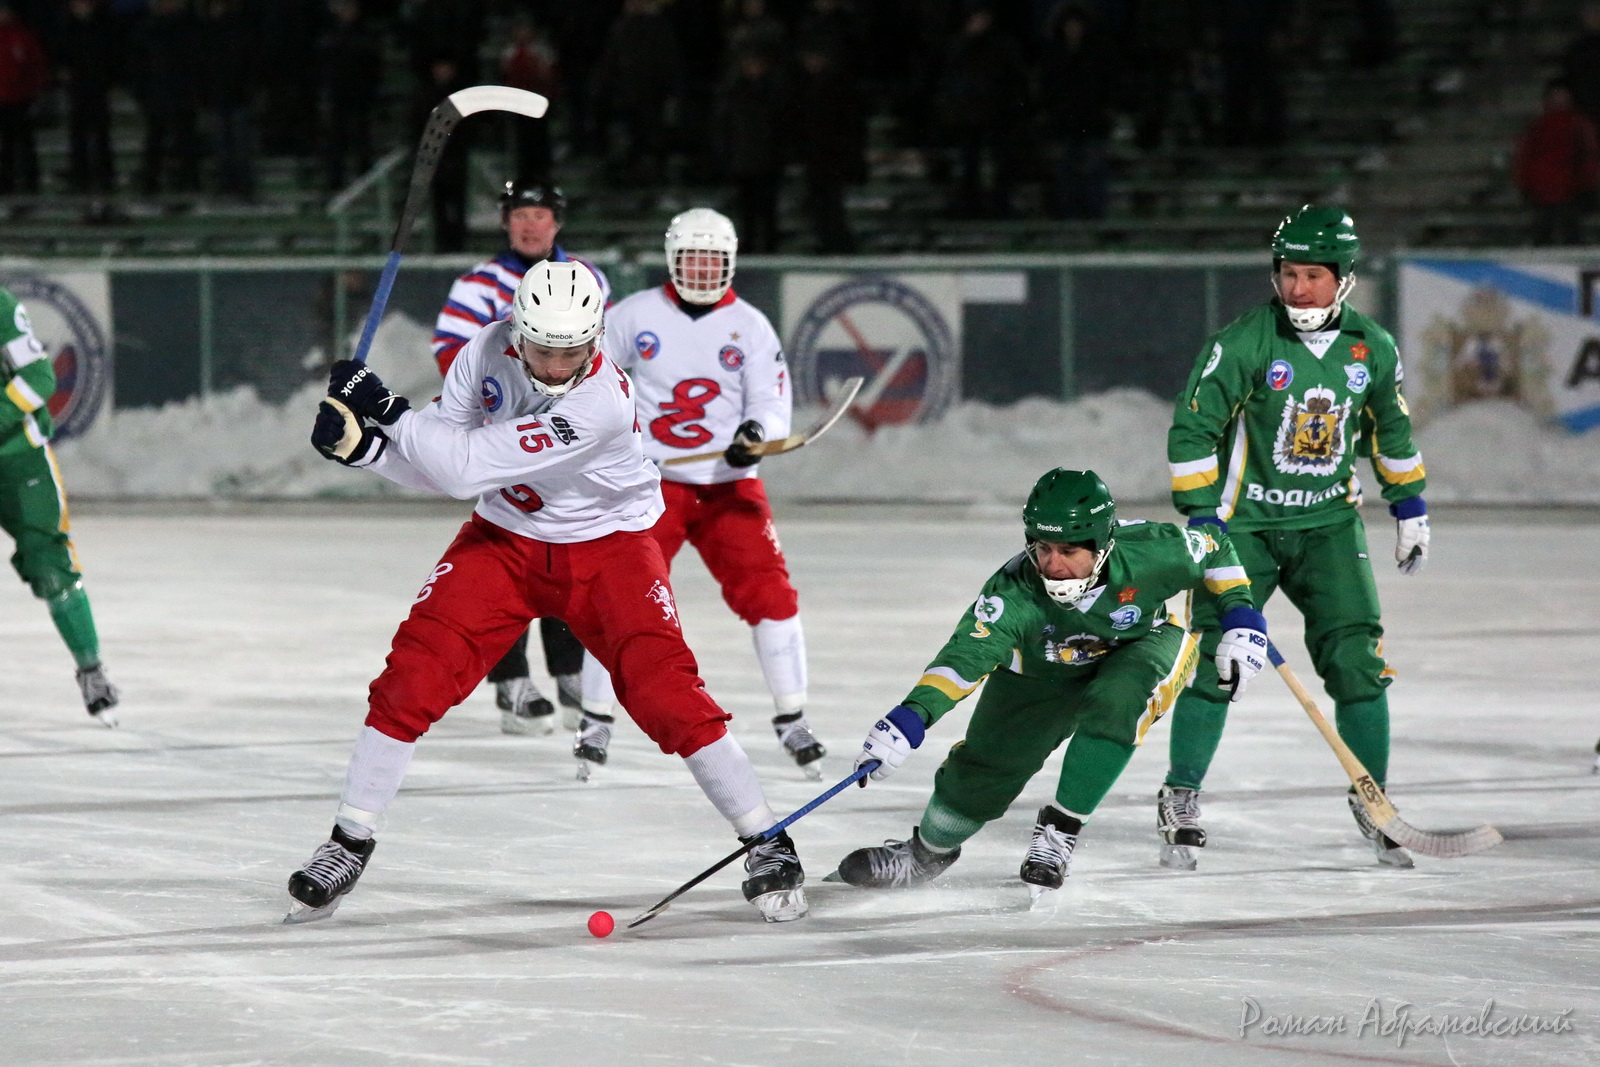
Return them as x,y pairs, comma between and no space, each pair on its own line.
1075,640
33,504
1263,444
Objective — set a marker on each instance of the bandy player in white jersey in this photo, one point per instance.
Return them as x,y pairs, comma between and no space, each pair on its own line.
541,428
709,371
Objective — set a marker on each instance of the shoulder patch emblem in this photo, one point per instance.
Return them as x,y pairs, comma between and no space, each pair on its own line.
988,609
647,344
493,395
731,357
1216,357
1357,377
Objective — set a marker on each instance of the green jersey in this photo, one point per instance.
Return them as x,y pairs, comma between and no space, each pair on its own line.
1014,624
1266,434
29,378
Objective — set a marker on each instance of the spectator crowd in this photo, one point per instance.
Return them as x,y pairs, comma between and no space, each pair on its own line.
984,94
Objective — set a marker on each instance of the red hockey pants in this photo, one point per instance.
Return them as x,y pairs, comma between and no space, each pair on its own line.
730,525
612,591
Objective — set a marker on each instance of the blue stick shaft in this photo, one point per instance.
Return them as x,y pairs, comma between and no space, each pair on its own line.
766,835
859,773
380,300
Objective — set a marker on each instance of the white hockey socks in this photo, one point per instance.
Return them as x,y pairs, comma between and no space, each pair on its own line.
376,769
781,648
598,696
730,783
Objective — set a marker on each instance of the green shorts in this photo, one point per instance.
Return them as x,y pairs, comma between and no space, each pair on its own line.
1325,573
33,511
1020,721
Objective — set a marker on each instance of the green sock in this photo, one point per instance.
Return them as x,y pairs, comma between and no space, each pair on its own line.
1196,732
1088,771
75,622
945,828
1364,726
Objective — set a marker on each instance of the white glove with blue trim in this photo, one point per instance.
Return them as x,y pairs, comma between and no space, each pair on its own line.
890,741
1242,652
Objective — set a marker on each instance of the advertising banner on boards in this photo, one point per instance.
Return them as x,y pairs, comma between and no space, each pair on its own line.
1480,329
71,316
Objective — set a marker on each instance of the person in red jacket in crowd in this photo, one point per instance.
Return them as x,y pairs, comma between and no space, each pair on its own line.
24,72
1558,167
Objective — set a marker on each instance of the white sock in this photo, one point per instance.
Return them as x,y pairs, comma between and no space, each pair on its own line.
376,769
730,783
598,696
781,648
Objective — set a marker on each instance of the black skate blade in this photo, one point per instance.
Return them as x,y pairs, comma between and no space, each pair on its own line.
833,876
304,913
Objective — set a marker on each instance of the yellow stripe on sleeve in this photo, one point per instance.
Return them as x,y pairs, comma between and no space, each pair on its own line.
948,682
1193,474
1401,471
24,395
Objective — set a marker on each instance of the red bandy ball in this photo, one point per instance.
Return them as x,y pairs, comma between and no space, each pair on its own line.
601,924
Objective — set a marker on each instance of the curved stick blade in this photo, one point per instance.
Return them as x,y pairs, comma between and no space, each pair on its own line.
478,98
1442,844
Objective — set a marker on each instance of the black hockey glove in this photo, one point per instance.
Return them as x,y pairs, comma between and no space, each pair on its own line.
738,454
339,435
360,389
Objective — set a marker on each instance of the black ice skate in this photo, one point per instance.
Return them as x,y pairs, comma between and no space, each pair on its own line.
794,734
522,709
99,695
1178,823
1049,858
328,875
569,694
775,881
894,864
594,738
1388,850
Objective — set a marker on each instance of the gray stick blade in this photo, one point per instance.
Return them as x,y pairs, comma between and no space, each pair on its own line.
478,98
1442,844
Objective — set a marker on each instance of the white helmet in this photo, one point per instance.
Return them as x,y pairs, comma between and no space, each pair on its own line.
558,305
701,230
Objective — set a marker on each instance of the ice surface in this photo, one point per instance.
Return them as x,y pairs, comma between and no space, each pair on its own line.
231,444
144,868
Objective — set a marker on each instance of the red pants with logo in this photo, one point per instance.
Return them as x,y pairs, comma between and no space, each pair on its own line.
613,592
730,524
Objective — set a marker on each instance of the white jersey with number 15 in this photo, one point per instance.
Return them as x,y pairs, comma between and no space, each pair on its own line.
698,379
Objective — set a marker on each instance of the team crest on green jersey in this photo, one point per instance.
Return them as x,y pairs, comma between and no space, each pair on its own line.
1311,438
1076,650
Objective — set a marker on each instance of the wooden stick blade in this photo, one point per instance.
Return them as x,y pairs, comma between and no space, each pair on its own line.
478,98
841,403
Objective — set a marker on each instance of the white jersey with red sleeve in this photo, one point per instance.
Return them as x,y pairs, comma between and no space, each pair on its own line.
562,469
699,378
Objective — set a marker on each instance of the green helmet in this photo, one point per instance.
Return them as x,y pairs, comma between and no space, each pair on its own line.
1318,235
1070,507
